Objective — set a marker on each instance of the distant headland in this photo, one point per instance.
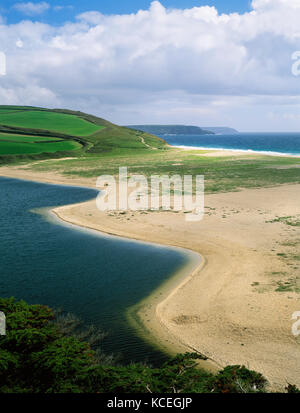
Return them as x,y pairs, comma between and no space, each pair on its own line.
181,129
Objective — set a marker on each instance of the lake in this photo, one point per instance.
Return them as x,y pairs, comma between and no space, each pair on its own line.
94,276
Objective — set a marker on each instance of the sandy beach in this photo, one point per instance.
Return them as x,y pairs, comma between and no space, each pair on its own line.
231,307
210,152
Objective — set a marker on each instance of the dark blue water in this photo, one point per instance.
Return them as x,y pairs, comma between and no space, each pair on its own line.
284,143
96,277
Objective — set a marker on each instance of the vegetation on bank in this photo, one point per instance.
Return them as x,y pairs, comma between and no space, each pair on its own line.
111,146
17,147
46,353
46,119
28,133
222,174
172,129
42,352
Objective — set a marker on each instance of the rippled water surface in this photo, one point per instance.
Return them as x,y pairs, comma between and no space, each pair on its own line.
96,277
282,143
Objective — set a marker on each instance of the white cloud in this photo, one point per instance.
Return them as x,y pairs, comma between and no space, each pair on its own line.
91,17
162,65
274,4
60,8
31,9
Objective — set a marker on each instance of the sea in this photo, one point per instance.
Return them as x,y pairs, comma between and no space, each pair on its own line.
272,143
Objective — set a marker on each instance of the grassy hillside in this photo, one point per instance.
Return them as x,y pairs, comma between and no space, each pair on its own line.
6,137
37,133
112,146
172,129
57,122
11,144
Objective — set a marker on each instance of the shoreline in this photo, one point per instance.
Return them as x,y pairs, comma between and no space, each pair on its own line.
228,309
147,319
154,332
235,152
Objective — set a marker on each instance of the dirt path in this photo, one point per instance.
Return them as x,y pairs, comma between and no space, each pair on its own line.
146,144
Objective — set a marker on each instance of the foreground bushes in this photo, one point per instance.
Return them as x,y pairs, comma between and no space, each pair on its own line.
43,353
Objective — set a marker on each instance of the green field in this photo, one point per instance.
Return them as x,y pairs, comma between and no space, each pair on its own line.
57,122
12,148
25,138
28,130
4,111
37,131
12,144
112,146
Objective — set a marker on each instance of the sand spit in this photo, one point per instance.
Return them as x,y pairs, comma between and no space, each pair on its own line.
236,307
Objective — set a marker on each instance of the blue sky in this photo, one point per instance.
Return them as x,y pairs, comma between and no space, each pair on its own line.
164,65
63,10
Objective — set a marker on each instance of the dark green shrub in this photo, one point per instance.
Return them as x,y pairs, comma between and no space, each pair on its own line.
48,353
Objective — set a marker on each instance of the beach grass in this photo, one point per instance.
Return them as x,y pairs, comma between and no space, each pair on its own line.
111,147
222,174
105,147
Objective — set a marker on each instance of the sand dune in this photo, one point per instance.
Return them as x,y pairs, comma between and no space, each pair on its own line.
230,308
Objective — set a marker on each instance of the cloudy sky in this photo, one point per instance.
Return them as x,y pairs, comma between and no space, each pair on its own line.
207,63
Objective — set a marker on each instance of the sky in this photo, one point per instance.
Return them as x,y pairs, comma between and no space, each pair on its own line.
61,10
206,63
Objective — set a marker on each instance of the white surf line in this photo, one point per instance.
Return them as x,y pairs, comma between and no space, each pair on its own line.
247,151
